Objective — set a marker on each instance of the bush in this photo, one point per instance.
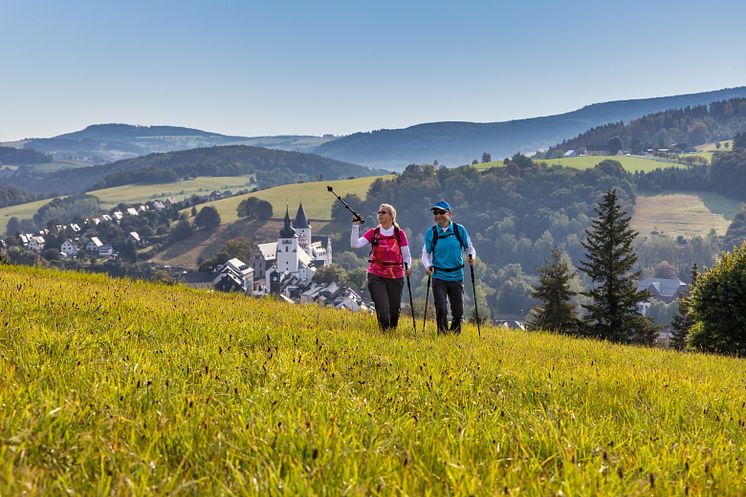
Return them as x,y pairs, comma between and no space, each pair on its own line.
718,306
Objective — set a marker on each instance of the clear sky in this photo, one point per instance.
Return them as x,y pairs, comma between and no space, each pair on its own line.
272,67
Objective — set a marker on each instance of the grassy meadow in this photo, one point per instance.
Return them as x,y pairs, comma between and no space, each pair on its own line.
683,213
630,163
117,387
317,201
203,185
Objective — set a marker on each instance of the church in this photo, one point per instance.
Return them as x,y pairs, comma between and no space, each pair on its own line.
296,252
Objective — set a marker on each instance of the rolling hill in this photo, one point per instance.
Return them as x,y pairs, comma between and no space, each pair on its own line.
268,166
103,143
456,143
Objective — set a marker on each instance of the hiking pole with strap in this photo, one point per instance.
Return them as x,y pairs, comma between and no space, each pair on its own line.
357,216
474,290
411,303
427,295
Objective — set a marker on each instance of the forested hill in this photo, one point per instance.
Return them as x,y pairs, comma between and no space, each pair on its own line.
457,143
692,125
17,156
271,167
103,143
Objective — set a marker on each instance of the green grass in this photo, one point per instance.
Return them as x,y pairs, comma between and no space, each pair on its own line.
21,211
683,213
712,147
131,194
630,163
116,387
317,201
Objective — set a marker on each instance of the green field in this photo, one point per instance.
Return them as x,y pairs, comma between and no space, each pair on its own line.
683,213
317,201
118,387
21,211
204,185
629,162
712,147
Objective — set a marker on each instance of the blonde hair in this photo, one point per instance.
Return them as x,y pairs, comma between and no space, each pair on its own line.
391,210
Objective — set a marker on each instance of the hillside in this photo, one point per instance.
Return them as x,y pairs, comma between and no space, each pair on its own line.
102,143
123,387
690,126
270,167
456,143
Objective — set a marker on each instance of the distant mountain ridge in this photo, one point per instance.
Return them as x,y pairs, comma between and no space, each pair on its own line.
269,167
452,143
104,143
458,143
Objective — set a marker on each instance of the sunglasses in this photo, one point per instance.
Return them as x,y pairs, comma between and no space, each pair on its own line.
384,212
438,212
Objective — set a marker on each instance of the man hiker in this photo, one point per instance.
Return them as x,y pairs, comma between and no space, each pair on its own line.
444,262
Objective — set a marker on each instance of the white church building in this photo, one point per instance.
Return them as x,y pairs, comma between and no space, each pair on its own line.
296,252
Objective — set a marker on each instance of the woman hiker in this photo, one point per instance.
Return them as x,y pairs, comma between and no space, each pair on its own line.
388,256
445,241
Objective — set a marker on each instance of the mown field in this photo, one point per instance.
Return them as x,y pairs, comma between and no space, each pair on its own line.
115,387
630,163
203,185
683,213
317,201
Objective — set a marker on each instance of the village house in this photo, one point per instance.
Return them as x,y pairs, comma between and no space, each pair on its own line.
93,245
235,275
132,211
134,237
36,243
69,248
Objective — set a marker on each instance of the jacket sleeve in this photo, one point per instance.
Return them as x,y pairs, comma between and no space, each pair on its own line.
357,241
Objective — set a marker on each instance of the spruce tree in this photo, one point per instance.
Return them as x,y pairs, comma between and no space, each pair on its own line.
682,322
556,313
612,313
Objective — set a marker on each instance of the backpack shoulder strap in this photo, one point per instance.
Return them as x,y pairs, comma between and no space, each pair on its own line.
397,236
457,231
435,238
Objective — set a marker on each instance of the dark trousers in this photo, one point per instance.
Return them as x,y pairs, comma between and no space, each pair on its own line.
444,291
386,295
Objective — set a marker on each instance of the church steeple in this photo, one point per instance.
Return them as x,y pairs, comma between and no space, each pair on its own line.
287,230
301,221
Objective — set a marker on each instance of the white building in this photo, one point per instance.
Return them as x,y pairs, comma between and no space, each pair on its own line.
69,248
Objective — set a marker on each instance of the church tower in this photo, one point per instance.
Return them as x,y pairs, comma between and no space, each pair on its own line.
287,247
303,228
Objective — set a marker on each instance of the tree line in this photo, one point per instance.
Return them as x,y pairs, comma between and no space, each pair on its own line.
690,125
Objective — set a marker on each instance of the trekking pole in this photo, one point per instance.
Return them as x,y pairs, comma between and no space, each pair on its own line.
427,295
357,216
474,290
411,303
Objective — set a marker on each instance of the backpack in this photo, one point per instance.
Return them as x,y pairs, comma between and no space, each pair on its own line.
375,242
457,233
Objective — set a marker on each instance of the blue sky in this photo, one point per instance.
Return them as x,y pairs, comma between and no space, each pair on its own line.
288,67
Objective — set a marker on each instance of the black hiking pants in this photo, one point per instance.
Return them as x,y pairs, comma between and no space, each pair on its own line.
443,292
386,295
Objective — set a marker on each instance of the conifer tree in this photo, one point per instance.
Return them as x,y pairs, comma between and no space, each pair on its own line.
556,313
612,313
682,321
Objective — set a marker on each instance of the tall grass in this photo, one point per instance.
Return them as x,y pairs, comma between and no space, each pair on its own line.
129,388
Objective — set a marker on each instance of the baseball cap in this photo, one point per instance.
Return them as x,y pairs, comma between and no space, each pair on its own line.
443,205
